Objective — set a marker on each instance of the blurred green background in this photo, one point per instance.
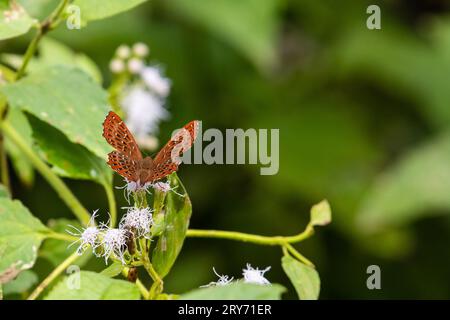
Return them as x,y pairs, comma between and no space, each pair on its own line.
364,119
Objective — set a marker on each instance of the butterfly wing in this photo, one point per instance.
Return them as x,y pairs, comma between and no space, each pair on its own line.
168,158
118,136
123,165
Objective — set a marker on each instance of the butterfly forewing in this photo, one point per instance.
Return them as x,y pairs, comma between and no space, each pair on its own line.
118,136
168,158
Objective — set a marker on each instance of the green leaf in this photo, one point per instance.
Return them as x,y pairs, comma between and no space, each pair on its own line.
305,279
320,214
418,184
21,235
99,9
55,250
14,20
24,281
68,159
66,98
94,286
4,193
53,52
39,9
178,211
236,291
113,270
250,26
21,165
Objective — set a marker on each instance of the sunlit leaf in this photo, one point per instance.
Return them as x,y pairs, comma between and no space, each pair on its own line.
66,98
178,211
53,52
14,20
305,279
93,286
91,10
21,235
236,291
321,214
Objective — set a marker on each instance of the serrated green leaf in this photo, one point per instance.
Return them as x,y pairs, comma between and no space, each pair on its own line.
68,159
320,214
21,235
55,250
250,26
305,279
418,184
112,270
14,20
94,286
236,291
24,281
21,165
91,10
178,211
66,98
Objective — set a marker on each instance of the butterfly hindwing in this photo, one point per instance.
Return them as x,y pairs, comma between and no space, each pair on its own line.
123,165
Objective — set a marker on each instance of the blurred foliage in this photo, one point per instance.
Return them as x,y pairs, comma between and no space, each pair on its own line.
364,121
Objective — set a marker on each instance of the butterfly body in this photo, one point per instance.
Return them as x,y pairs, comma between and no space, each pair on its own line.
128,161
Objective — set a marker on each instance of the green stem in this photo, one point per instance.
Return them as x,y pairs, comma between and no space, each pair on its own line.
49,23
60,236
298,255
112,204
53,275
60,187
246,237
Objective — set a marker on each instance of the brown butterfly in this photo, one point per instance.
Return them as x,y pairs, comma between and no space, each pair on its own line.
127,160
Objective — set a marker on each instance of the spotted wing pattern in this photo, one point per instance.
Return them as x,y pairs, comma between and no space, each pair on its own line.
167,160
123,165
118,136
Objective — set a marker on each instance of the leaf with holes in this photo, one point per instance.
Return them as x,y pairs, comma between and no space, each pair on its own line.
21,235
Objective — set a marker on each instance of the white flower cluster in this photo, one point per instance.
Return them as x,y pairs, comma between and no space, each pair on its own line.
144,97
250,275
135,223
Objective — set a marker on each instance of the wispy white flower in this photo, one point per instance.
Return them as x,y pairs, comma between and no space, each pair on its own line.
224,280
155,81
114,242
123,51
144,111
87,236
13,14
138,221
165,187
117,65
140,49
135,65
255,275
